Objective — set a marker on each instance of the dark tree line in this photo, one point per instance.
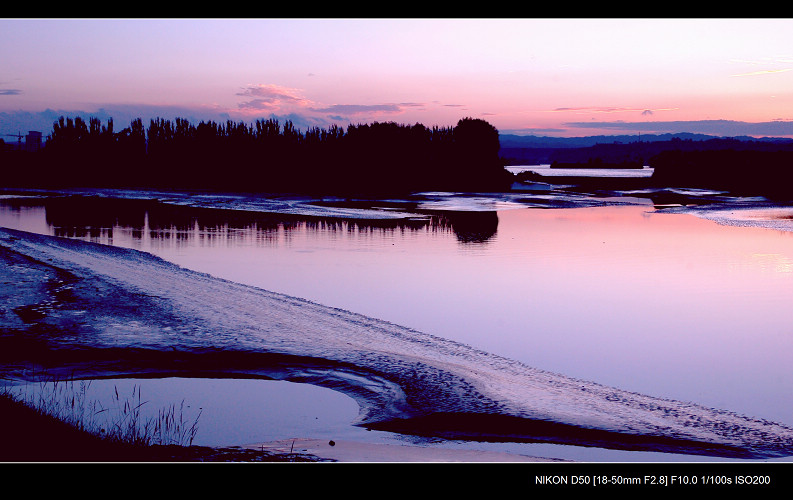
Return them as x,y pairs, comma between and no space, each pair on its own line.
741,166
636,151
268,156
740,171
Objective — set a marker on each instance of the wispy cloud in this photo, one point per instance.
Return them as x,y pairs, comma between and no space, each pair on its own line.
776,61
272,98
534,131
10,92
785,59
764,72
607,109
590,109
358,109
348,110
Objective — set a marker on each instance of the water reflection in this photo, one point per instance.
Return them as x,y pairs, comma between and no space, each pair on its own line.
103,220
654,302
474,227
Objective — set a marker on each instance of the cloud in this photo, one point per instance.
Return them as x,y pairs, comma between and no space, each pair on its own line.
783,61
10,92
276,99
533,131
264,102
271,98
725,128
12,122
764,72
765,60
607,109
357,109
122,115
592,109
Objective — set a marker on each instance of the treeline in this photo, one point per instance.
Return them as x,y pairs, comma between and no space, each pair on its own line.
636,151
740,171
267,156
744,167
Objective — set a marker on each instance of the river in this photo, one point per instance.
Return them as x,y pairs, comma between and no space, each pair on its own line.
670,303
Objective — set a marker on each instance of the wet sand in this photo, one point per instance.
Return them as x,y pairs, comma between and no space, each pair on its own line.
351,451
111,303
29,437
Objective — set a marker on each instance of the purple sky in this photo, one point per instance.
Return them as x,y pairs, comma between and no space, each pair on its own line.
554,77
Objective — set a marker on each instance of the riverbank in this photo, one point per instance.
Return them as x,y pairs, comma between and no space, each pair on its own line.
107,311
29,436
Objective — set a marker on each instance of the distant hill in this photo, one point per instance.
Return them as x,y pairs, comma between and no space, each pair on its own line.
517,149
533,141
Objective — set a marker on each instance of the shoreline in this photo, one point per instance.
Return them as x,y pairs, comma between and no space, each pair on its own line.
82,272
353,451
32,437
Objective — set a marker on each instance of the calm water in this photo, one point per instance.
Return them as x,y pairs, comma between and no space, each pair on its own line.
669,305
547,171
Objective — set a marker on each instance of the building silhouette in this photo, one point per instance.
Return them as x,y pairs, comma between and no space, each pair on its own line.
32,142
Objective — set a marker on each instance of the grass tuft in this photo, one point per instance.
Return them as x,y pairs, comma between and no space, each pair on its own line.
120,422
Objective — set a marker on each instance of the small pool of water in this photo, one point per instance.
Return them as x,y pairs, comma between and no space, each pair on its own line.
238,412
228,412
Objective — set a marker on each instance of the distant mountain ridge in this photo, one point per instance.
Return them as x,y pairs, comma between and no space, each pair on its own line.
534,141
536,150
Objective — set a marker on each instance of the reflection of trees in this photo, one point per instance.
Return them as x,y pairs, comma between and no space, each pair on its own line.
96,218
79,217
473,227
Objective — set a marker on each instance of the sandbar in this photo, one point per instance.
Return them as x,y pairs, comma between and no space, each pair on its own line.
353,451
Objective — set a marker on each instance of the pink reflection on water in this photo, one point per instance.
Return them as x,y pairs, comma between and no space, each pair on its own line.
664,304
671,305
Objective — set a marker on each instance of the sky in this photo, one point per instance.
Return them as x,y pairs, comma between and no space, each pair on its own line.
547,77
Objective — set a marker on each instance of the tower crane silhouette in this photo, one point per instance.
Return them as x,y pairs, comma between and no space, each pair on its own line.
17,135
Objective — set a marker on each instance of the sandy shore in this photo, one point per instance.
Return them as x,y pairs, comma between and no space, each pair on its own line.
84,310
351,451
28,436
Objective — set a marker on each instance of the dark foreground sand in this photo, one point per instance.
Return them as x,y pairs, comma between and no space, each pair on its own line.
28,436
350,451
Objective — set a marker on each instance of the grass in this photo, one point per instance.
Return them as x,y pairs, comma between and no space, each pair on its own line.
120,422
56,422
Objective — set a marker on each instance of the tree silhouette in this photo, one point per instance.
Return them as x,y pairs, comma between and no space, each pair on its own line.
267,156
476,156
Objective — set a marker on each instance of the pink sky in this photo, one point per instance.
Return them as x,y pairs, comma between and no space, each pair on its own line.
557,77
